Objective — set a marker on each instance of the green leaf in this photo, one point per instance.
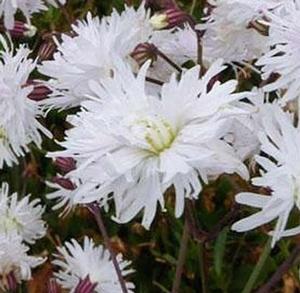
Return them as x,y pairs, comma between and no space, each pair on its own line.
219,251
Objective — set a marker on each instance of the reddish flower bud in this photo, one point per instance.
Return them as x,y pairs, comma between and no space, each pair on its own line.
65,164
160,4
46,50
53,287
85,286
144,52
40,91
20,30
64,182
10,282
171,17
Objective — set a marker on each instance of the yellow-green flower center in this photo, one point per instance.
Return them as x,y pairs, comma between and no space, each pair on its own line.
158,133
8,224
2,133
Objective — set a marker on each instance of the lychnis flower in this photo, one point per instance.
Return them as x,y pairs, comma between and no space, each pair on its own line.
136,146
18,114
283,56
15,263
22,216
280,146
91,263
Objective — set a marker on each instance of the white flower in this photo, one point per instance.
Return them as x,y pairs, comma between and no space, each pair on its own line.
18,123
90,53
76,263
8,9
21,216
136,146
15,260
280,163
283,57
228,33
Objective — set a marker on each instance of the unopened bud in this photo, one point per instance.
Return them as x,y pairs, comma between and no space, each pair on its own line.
46,50
64,182
170,18
65,164
144,52
159,21
53,287
85,286
21,30
39,92
10,282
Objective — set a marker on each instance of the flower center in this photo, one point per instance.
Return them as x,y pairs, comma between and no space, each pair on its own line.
157,132
2,133
8,224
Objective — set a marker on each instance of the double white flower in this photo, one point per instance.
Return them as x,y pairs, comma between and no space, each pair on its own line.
136,146
78,262
280,146
20,221
18,114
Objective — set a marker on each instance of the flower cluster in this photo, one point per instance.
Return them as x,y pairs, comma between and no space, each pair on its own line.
152,104
20,222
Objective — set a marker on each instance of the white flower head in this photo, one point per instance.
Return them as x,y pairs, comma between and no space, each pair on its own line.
18,114
15,260
136,146
283,57
76,262
21,216
90,53
280,144
228,33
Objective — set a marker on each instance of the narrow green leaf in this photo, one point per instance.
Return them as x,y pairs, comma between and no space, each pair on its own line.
219,251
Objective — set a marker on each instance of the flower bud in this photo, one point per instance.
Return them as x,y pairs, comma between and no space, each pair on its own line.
65,164
21,30
64,182
46,50
144,52
11,283
39,92
170,18
85,286
53,287
159,21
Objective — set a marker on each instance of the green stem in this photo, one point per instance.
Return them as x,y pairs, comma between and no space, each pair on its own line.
202,267
181,258
193,6
255,273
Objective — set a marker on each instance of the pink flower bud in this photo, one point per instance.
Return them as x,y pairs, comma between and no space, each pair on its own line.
171,17
11,282
46,50
65,164
40,91
64,182
53,287
144,52
85,286
20,30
